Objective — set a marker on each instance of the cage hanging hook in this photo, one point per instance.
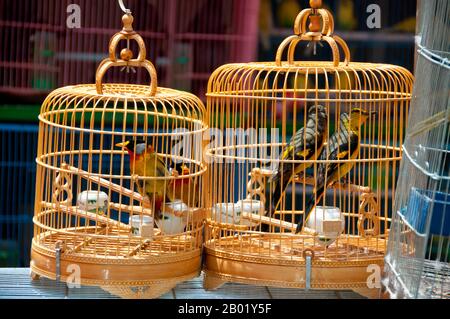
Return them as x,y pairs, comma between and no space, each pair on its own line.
123,8
126,11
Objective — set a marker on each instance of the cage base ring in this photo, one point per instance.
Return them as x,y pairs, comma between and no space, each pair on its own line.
220,270
160,277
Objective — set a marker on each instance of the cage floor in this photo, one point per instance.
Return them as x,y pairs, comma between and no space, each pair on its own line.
110,245
345,248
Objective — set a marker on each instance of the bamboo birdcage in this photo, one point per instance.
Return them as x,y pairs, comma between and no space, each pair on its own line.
140,256
255,108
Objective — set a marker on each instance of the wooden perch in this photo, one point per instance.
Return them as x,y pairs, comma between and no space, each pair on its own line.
275,222
131,209
339,186
312,181
194,214
105,183
73,210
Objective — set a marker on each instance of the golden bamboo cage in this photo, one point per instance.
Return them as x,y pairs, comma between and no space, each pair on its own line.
254,108
95,220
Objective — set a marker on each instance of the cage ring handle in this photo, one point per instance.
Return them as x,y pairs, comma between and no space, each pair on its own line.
126,56
106,64
333,42
343,45
281,48
321,28
329,40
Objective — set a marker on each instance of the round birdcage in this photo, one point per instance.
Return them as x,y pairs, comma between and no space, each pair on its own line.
118,181
294,136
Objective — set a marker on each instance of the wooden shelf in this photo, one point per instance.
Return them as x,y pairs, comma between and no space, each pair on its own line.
16,283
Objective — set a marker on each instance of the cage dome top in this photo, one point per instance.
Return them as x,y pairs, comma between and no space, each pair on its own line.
320,29
111,94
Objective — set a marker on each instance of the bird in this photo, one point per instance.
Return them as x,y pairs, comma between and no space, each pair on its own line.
344,144
145,162
186,189
306,144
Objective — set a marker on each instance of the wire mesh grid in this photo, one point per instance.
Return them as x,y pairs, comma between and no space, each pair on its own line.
417,260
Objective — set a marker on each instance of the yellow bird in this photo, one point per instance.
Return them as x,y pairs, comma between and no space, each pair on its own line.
344,144
145,162
306,144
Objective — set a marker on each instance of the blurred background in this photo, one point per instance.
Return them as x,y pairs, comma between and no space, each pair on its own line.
185,39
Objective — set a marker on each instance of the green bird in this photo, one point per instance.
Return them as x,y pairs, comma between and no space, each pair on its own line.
344,144
146,162
306,144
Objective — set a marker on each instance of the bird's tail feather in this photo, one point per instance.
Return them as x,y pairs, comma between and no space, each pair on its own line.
273,200
270,190
315,199
267,195
268,205
280,191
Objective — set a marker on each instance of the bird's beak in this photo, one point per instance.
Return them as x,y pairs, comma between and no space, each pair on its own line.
123,145
373,113
185,170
